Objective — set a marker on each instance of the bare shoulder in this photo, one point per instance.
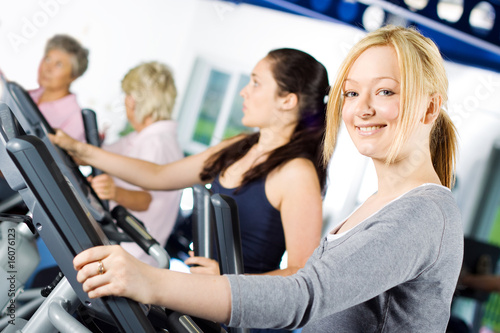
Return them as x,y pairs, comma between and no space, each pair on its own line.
296,171
297,167
295,182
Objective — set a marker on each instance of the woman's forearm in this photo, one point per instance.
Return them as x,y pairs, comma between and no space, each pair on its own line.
150,176
204,296
120,166
134,171
199,295
281,272
138,201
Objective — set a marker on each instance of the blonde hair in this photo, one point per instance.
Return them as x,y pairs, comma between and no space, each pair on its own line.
153,89
422,75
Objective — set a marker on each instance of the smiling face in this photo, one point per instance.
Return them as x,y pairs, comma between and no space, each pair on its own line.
372,101
54,72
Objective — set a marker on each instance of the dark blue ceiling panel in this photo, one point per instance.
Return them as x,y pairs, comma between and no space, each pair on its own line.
459,41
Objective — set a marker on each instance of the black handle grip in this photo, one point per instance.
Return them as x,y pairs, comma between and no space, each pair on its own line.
92,136
90,125
228,234
203,223
19,219
133,227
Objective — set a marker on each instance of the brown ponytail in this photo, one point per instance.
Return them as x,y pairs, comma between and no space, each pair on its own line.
443,147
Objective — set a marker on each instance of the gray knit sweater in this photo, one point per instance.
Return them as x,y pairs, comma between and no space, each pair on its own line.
394,272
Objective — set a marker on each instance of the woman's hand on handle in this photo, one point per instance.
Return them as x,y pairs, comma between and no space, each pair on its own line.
106,189
111,271
104,186
74,147
202,265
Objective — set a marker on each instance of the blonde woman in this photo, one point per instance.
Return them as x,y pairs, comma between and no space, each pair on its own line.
393,264
150,97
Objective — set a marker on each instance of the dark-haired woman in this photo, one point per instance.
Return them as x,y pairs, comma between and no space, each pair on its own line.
275,175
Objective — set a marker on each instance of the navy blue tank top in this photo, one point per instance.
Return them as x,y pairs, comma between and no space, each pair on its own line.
262,235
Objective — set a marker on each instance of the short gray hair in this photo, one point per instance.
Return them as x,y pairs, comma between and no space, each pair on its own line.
79,54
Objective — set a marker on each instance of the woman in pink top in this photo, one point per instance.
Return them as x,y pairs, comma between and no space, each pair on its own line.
64,61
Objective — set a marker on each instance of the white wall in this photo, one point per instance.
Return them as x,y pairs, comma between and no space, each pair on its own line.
120,34
475,110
